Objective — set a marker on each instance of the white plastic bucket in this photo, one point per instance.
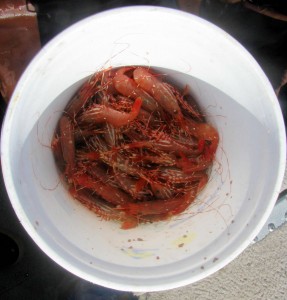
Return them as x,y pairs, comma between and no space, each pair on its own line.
245,179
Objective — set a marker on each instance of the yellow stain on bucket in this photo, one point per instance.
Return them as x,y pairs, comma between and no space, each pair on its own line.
184,240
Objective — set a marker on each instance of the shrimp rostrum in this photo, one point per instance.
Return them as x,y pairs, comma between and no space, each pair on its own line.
131,147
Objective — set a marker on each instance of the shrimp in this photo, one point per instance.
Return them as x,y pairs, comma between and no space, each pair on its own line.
204,132
107,81
107,192
155,207
82,96
188,198
191,165
157,89
57,152
117,161
188,105
127,87
67,144
163,142
132,148
161,191
131,185
176,175
100,207
102,113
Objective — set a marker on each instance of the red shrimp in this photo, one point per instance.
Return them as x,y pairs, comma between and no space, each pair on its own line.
160,158
121,103
127,87
145,116
107,192
191,165
57,152
202,183
204,132
81,135
117,162
107,81
87,155
191,195
188,198
147,171
163,142
157,89
110,135
155,207
161,191
76,104
101,208
105,175
82,96
102,113
175,175
188,105
67,144
109,131
129,222
133,186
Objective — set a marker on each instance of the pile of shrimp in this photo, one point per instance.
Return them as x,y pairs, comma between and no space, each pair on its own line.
132,147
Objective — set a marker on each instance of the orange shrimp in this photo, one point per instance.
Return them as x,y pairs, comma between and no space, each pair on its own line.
158,157
82,96
107,81
157,89
101,208
107,192
57,152
204,132
129,222
102,113
67,144
127,87
188,198
118,161
161,191
132,148
155,207
113,159
164,142
131,185
176,175
188,105
191,165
